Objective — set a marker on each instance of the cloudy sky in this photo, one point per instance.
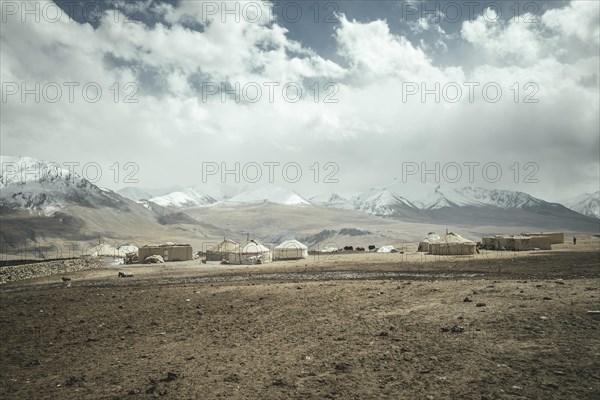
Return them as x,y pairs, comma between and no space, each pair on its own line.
350,95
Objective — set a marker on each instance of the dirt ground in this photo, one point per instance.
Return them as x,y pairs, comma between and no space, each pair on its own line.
515,326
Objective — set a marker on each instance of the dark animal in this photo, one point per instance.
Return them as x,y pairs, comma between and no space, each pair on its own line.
371,247
348,248
360,249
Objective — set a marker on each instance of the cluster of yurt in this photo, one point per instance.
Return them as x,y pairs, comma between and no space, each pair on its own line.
255,253
427,240
291,250
452,244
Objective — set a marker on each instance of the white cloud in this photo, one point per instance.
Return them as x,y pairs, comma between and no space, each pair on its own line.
369,131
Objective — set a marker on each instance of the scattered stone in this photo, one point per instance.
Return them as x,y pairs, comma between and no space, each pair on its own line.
232,378
543,317
384,334
457,329
342,367
480,305
547,298
65,279
279,383
123,274
467,300
74,379
171,376
551,385
34,362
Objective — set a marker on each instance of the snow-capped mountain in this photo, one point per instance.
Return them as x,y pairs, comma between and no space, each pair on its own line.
384,202
30,184
470,196
329,200
136,193
586,204
188,197
270,194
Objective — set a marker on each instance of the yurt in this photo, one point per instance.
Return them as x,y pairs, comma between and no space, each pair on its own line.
427,240
128,248
222,251
291,250
109,254
387,249
251,253
452,244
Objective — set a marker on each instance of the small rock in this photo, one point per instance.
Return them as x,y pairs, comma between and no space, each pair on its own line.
480,305
547,298
171,376
467,300
341,367
74,379
551,385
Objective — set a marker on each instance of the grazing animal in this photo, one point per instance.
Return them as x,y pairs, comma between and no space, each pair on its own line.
371,247
348,248
360,249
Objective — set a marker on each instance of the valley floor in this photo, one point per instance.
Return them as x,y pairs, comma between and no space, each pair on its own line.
340,327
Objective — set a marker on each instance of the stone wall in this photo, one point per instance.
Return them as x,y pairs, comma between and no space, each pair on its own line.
29,271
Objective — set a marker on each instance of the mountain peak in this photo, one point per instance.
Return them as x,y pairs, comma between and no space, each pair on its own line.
270,194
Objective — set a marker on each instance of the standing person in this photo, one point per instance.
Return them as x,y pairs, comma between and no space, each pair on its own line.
574,240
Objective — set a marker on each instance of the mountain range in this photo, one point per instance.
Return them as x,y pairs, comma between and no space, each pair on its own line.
40,200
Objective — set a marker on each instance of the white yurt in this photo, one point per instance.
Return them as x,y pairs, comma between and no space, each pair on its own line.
427,240
251,253
109,254
222,251
291,250
452,244
128,248
386,249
